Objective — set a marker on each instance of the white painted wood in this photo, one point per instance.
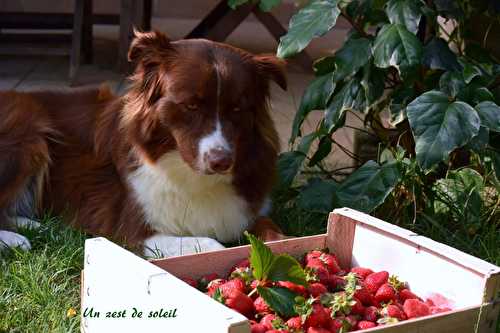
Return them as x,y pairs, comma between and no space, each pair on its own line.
429,266
116,279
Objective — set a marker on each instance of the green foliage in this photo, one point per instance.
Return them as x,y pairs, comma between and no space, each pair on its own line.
429,98
281,300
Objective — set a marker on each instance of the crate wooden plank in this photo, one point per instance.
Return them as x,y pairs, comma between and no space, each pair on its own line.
197,265
340,238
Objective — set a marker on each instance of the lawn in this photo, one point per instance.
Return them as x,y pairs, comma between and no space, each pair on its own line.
39,288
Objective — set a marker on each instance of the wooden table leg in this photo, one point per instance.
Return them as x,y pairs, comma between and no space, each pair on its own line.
133,13
82,23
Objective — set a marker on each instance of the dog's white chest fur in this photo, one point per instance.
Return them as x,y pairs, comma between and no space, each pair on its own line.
178,201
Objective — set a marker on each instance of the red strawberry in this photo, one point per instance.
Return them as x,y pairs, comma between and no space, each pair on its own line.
361,272
316,289
314,254
242,264
261,305
267,321
370,314
338,325
414,308
191,282
277,331
385,293
320,270
239,301
357,308
318,317
352,320
330,262
364,296
296,288
317,330
405,294
234,284
294,323
335,282
213,285
375,280
393,311
257,328
364,324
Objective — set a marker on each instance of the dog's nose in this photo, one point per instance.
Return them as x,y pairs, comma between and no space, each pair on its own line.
219,160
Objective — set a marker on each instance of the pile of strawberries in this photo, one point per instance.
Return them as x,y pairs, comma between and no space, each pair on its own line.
332,300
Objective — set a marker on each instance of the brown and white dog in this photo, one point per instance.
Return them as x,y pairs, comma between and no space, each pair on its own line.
185,159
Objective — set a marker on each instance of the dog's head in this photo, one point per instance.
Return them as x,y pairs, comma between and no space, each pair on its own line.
203,98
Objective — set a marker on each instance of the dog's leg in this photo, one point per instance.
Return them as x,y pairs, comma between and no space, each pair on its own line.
24,222
161,246
11,239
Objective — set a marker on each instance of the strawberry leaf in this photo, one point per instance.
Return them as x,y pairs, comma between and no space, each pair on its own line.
218,296
287,268
281,300
261,257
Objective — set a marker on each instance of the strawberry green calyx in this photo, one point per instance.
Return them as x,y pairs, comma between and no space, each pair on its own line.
387,320
218,296
310,275
396,283
340,302
303,307
351,284
278,324
244,273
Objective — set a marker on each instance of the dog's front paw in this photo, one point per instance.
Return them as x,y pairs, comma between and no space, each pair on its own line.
161,246
11,239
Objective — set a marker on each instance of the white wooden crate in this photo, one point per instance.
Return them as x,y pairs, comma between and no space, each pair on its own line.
115,279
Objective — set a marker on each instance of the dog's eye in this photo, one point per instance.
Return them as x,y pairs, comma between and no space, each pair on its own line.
192,106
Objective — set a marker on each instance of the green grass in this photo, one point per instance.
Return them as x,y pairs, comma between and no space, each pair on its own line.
39,286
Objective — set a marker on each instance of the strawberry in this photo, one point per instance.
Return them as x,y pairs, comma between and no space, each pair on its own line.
335,282
238,301
267,321
296,288
370,314
261,305
330,262
405,294
361,272
338,325
277,331
191,282
314,254
318,316
364,296
393,311
352,320
213,285
317,330
294,323
319,268
414,308
375,280
316,289
234,284
357,308
385,293
257,328
245,263
365,324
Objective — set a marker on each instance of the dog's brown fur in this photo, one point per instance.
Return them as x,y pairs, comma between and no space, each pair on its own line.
75,149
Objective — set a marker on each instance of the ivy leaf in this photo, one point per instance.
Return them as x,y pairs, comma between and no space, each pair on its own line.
372,83
289,164
396,46
287,268
324,65
470,71
367,187
437,55
318,195
350,97
324,148
306,142
406,12
353,55
267,5
489,113
451,83
314,20
480,141
279,299
235,3
439,126
316,97
261,257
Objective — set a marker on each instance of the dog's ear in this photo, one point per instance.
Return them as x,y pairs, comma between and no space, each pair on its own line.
149,52
148,47
272,68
